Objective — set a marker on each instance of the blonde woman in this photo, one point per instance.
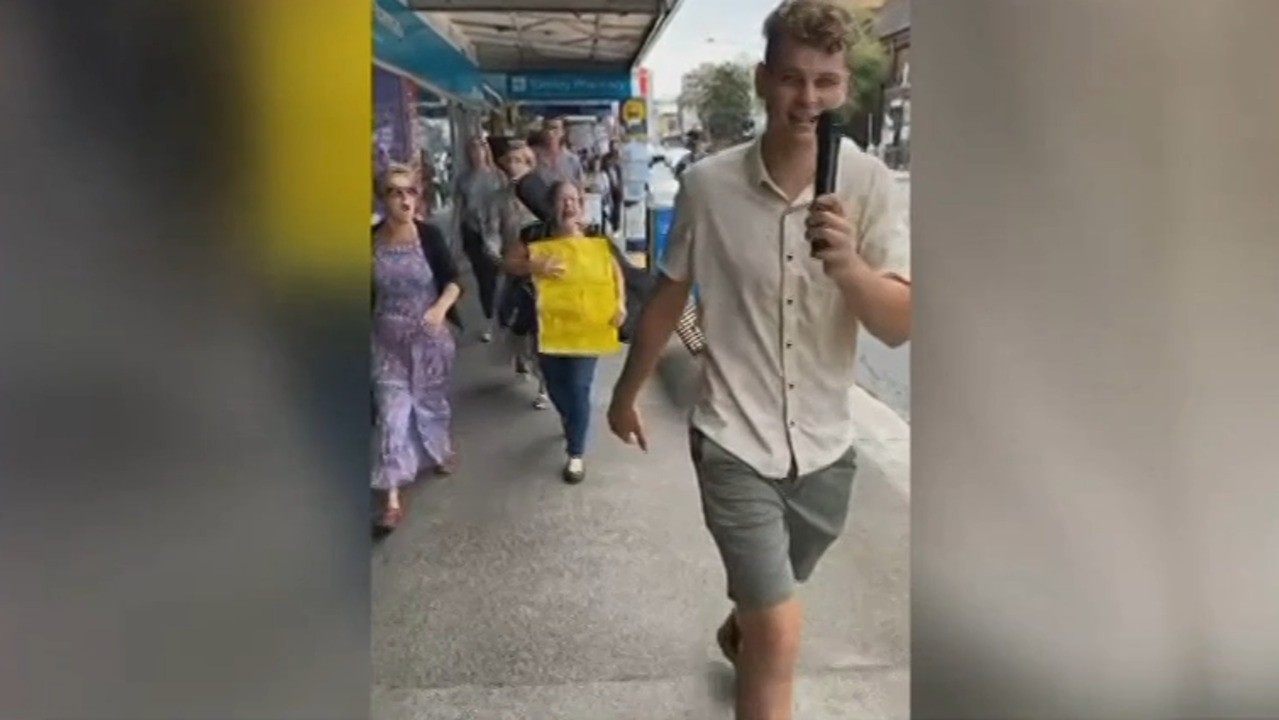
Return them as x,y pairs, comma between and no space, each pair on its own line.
414,291
480,195
518,225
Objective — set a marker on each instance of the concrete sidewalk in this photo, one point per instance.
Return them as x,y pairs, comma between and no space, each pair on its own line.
507,594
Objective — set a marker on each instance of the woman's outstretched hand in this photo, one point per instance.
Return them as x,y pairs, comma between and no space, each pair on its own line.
547,267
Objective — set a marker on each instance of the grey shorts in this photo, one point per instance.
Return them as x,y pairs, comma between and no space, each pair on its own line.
770,532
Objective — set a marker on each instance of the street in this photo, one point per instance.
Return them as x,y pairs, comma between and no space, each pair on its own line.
507,594
885,372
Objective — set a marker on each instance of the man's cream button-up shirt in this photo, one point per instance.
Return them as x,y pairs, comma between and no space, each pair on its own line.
781,348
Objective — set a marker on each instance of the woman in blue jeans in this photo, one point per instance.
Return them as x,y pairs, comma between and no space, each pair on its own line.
568,378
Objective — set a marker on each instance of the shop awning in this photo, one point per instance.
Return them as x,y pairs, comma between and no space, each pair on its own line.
516,36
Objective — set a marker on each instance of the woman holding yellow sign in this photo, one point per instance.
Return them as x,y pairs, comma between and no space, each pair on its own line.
581,303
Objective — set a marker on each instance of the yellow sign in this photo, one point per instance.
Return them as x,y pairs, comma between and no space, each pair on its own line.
634,110
575,311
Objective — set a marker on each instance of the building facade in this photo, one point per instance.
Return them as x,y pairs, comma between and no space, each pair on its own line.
893,27
429,97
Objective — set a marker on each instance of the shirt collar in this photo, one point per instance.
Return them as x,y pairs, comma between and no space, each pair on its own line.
759,177
755,169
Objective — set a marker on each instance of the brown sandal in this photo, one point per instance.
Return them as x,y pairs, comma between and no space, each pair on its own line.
389,519
448,467
729,637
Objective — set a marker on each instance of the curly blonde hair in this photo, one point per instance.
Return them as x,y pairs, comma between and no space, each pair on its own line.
395,170
820,24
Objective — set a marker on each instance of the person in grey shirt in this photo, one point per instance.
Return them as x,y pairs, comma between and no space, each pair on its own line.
555,162
479,199
517,224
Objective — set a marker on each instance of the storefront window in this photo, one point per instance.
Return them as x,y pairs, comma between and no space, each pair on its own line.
433,139
393,112
415,126
391,135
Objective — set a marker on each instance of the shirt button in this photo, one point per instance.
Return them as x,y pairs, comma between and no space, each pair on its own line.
791,423
790,301
789,258
789,344
791,386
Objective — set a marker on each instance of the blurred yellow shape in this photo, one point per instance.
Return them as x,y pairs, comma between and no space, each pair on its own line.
310,122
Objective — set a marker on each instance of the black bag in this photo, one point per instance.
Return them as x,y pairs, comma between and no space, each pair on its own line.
517,312
639,286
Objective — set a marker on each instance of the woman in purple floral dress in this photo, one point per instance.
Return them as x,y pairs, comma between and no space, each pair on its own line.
414,291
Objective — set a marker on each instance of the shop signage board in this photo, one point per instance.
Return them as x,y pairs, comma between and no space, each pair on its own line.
580,87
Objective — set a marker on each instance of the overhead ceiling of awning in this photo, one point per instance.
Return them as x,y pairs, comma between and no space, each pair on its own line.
530,35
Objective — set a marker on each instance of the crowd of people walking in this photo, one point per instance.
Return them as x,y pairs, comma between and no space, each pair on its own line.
786,277
511,194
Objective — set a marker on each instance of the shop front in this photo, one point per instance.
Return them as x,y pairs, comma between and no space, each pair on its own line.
394,113
428,100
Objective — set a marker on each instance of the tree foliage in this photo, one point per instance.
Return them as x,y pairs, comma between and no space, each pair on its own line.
692,86
722,95
868,65
867,62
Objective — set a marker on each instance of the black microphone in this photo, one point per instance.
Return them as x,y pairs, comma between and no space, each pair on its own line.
828,143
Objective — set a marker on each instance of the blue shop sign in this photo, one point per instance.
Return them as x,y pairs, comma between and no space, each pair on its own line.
405,41
495,81
559,109
579,87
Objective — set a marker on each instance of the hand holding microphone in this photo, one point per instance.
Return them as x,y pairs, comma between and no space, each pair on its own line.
829,230
827,172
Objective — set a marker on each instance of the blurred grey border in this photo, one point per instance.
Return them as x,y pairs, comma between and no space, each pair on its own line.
1094,231
1096,246
183,504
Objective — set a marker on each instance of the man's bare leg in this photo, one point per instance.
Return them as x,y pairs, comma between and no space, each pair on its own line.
766,661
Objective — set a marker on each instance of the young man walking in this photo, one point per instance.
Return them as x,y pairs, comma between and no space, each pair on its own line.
555,162
771,433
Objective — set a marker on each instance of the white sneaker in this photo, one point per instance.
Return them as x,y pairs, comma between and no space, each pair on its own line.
542,401
574,471
486,337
